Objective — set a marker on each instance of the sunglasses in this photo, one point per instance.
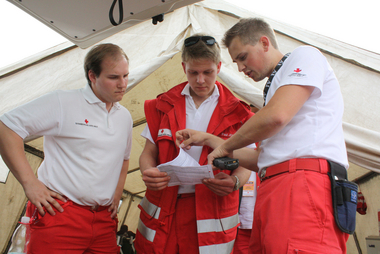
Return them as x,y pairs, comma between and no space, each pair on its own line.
194,40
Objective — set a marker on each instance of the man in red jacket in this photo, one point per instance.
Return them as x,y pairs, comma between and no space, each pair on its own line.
191,218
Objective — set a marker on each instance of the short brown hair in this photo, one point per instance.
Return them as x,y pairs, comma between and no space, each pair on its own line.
94,58
250,30
201,51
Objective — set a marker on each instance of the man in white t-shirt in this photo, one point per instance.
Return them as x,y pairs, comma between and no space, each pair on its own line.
87,143
300,130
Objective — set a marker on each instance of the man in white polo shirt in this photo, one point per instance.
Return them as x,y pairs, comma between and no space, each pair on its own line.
87,144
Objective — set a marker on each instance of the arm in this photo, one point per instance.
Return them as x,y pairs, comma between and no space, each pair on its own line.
268,121
187,138
12,152
119,189
153,178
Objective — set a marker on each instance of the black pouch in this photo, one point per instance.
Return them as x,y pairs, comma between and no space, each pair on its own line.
344,197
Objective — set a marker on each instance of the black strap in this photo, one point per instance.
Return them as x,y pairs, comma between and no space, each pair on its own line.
240,196
269,81
121,12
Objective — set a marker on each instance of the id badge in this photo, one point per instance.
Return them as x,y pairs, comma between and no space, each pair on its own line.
248,189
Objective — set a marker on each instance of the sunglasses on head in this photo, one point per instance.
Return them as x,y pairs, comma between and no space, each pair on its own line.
194,40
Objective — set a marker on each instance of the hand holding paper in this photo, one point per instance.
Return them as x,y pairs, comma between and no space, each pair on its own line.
184,170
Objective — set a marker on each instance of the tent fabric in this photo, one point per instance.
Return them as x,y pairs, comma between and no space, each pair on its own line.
151,46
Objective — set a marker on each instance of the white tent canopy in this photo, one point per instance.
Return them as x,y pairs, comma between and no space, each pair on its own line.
149,47
154,53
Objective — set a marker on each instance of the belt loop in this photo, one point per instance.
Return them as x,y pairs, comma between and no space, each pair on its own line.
323,166
292,165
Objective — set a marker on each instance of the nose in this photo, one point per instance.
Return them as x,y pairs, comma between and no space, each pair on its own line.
241,67
123,82
200,79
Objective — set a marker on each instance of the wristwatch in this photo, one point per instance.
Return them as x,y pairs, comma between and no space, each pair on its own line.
237,184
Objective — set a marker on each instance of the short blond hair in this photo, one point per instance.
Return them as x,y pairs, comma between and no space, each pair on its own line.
249,31
94,58
201,51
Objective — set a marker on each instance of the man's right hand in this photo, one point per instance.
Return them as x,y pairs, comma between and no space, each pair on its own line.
187,138
40,196
154,179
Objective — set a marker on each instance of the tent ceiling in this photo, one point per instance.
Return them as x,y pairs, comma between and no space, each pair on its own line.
86,22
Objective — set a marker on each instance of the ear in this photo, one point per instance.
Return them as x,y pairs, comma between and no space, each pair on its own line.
265,42
184,67
218,67
92,76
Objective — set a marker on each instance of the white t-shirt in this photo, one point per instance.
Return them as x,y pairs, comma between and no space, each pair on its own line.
316,130
84,144
248,201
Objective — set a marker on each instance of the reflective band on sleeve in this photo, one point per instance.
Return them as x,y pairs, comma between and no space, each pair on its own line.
217,225
223,248
150,208
146,232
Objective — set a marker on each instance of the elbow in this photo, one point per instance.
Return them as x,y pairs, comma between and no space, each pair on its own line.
279,121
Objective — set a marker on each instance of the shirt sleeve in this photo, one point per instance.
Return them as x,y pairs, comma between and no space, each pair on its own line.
305,67
37,117
146,134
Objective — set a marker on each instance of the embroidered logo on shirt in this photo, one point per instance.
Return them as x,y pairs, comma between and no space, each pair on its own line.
164,132
297,73
226,134
86,124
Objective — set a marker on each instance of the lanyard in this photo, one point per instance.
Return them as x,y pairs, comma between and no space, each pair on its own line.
269,81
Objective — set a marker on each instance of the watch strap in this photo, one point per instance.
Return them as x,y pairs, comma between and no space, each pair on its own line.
237,184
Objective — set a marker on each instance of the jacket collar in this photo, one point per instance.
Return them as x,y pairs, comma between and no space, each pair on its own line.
178,92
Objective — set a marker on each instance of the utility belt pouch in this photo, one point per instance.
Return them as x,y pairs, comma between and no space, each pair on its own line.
344,197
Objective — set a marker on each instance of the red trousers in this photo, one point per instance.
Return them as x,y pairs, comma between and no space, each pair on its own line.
75,230
241,245
294,214
183,237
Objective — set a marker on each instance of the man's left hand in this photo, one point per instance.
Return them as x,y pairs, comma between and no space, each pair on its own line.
113,208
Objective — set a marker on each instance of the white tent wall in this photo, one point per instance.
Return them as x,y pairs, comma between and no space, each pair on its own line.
129,206
154,53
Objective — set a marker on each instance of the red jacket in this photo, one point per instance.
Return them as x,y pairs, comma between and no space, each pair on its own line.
217,217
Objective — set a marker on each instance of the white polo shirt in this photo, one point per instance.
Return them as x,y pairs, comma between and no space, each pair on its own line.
84,144
316,130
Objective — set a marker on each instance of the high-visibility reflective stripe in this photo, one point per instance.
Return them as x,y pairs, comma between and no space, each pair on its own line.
223,248
150,208
217,225
148,233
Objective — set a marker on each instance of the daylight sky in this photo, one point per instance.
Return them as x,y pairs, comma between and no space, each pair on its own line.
354,22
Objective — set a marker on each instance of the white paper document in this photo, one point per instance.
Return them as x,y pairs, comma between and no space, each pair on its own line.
184,170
